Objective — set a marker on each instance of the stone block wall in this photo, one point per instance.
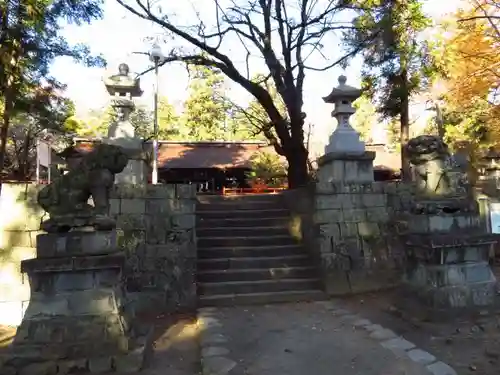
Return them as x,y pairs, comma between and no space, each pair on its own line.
156,230
20,218
155,227
358,246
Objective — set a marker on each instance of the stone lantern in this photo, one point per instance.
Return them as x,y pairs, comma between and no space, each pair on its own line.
123,88
345,158
344,138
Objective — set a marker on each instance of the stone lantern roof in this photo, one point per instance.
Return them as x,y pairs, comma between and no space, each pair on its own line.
123,84
342,91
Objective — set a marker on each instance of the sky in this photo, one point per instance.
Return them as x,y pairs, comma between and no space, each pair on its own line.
119,34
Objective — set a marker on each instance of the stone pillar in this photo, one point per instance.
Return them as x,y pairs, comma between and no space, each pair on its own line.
122,133
343,173
345,159
75,321
123,88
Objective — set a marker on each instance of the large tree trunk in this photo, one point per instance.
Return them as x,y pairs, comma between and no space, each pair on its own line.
298,174
4,132
405,126
24,164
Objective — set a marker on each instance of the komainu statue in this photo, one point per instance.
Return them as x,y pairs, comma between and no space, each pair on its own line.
90,175
437,173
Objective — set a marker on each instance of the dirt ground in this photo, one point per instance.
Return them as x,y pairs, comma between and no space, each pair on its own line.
471,345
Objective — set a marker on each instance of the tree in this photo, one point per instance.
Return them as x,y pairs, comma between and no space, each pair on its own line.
365,118
30,39
283,35
252,122
97,122
53,113
471,74
169,123
393,129
206,109
397,63
267,168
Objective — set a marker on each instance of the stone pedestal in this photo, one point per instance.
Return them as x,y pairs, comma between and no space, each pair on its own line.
447,250
75,321
137,170
346,167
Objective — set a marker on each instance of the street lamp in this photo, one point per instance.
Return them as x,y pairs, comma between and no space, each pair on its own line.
157,57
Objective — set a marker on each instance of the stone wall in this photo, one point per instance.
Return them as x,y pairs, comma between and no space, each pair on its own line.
19,225
155,229
358,246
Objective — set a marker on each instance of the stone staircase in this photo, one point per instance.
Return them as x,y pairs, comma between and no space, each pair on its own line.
246,254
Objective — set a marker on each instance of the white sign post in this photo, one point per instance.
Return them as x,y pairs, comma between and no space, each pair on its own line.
495,218
43,157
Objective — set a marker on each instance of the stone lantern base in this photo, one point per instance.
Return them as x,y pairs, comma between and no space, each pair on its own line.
346,167
75,321
137,170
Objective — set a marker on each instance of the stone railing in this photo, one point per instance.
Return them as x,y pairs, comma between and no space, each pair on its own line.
155,225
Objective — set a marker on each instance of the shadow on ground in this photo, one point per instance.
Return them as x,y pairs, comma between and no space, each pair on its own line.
470,344
176,350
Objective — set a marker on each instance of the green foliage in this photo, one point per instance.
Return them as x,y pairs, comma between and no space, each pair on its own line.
169,127
470,125
394,134
397,63
365,118
26,127
206,109
253,121
97,122
268,168
30,39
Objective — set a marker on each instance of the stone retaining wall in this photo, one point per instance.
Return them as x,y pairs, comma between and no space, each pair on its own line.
155,229
358,246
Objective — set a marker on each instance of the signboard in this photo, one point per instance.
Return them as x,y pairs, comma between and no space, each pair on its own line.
43,153
495,217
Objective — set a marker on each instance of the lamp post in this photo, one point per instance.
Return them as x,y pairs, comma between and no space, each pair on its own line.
157,57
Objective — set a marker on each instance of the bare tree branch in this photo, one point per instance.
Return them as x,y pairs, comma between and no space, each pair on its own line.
283,33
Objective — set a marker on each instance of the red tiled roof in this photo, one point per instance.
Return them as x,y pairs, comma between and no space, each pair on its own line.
202,154
235,154
208,155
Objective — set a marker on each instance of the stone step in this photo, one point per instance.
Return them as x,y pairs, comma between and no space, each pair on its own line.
245,214
252,262
211,242
241,206
242,221
250,251
242,232
257,274
260,286
261,298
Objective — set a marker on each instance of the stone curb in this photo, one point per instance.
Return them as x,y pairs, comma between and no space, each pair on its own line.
213,344
390,341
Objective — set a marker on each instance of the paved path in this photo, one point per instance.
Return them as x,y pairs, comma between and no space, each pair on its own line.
305,338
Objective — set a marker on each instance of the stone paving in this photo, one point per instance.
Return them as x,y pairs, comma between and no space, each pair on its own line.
317,338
